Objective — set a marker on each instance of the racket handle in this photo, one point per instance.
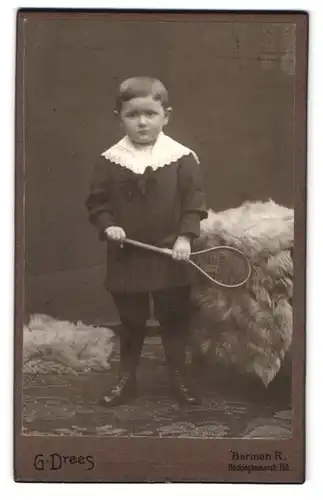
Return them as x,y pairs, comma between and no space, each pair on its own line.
146,246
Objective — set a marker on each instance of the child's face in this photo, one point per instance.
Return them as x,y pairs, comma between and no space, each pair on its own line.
143,119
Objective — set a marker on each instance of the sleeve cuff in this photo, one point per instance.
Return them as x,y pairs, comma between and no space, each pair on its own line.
103,221
190,225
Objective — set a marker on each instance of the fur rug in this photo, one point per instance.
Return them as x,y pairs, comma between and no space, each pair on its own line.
60,346
249,327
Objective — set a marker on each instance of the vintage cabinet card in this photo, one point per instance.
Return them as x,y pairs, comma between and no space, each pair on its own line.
181,360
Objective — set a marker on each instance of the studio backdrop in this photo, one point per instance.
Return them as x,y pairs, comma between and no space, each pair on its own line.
231,87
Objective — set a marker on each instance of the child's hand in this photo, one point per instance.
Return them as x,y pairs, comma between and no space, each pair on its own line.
115,233
182,248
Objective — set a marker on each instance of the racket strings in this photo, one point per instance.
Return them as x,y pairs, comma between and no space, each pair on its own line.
223,266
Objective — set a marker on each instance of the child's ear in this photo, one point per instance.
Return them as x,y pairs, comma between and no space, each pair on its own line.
117,117
168,112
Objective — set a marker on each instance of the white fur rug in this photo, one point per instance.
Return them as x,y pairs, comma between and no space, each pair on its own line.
250,327
57,346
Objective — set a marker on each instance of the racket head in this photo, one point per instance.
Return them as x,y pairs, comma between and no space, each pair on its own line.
223,265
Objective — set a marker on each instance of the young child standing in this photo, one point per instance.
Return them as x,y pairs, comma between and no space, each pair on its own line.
148,187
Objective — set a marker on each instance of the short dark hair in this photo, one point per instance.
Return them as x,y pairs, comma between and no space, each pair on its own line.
141,86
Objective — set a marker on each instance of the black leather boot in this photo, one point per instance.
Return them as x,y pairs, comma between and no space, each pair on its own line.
180,387
125,389
123,392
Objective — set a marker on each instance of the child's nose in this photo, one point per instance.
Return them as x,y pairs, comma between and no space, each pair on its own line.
142,119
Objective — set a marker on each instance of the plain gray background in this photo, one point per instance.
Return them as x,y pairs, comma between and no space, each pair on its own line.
232,89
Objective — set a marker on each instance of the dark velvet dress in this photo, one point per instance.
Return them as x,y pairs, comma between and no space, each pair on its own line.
154,207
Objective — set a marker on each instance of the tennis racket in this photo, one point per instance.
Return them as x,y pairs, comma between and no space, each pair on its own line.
222,265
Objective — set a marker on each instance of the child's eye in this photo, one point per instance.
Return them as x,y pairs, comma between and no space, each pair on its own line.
150,113
132,115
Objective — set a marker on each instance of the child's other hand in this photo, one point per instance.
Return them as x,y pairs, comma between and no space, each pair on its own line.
182,248
115,233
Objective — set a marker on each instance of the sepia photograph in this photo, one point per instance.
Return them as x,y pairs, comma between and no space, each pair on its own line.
159,172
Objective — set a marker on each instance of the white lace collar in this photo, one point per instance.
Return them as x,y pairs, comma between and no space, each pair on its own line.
163,152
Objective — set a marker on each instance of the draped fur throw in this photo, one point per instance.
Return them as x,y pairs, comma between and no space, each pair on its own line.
249,327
